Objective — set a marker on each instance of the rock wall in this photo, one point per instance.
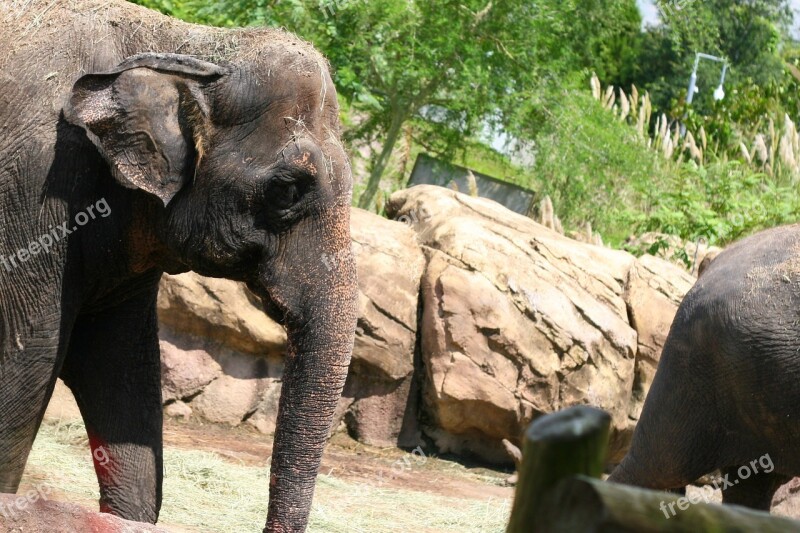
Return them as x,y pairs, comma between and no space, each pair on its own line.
519,321
473,321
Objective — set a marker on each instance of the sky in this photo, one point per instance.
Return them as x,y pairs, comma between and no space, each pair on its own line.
650,13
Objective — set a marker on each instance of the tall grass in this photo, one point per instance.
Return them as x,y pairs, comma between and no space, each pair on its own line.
775,152
606,161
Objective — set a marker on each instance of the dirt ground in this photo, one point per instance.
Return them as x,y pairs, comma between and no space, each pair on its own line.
396,488
216,480
349,460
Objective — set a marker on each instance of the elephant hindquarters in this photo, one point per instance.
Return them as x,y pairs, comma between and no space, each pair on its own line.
754,491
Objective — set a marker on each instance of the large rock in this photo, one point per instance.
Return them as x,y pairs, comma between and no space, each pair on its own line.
515,321
219,351
204,307
519,321
184,372
390,264
222,356
786,501
381,381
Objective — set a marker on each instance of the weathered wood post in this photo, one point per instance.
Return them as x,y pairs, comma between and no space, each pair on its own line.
557,446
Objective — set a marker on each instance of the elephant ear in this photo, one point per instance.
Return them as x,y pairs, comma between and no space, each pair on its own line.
148,117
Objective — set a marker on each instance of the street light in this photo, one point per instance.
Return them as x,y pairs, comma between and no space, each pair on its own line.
719,93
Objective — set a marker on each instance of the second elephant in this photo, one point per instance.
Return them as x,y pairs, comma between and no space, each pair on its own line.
726,394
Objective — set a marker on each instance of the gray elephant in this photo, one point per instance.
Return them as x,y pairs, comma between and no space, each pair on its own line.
726,394
132,144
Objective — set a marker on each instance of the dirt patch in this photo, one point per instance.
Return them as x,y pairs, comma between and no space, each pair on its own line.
349,460
222,471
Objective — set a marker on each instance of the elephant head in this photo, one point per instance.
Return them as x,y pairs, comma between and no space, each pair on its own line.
240,172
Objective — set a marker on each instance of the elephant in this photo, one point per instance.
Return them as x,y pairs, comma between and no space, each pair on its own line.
133,144
726,393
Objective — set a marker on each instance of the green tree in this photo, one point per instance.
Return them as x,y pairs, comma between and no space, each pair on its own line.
454,63
580,36
227,13
574,38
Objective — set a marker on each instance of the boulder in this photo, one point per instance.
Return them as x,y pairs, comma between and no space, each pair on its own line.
518,321
227,400
208,374
786,501
379,388
266,411
203,307
178,409
184,373
515,320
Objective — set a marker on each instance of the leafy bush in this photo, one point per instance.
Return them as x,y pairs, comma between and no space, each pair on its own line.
595,168
602,164
721,202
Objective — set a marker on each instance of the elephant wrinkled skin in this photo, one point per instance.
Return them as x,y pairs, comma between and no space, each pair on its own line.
132,144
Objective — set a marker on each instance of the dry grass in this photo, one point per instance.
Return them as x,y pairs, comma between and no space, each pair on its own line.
775,152
205,492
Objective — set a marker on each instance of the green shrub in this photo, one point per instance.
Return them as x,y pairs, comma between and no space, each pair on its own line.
603,165
596,168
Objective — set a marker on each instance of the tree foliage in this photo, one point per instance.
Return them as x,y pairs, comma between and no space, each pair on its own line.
456,64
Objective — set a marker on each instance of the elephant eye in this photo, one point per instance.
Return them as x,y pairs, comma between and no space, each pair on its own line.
285,191
284,195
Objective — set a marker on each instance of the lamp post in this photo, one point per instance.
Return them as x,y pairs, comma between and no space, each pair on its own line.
719,92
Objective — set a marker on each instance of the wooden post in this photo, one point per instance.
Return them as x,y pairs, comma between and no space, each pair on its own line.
557,446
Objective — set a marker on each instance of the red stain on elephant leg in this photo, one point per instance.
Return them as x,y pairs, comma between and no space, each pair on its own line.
104,466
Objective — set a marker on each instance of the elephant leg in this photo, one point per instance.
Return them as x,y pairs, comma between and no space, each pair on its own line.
755,492
28,369
674,442
113,368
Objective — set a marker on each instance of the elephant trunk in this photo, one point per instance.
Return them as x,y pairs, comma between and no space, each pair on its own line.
318,295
